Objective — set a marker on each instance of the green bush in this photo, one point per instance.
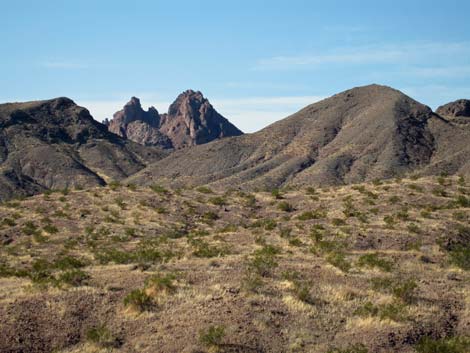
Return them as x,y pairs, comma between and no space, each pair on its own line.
139,300
158,189
285,206
264,261
276,193
338,259
405,291
204,190
444,345
73,278
218,201
102,336
373,260
212,337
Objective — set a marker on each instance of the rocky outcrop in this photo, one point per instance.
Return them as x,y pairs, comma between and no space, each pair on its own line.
138,125
458,108
191,120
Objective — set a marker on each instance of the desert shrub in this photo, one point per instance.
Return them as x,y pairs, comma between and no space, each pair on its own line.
267,224
212,337
29,228
460,257
158,189
101,336
105,256
138,300
403,215
425,214
338,222
439,191
392,311
131,187
373,260
295,242
405,291
394,199
302,292
51,229
462,201
311,190
338,259
229,228
461,180
249,200
413,228
285,206
68,262
73,277
276,193
8,222
316,214
389,221
161,283
218,201
204,249
204,190
114,185
120,202
443,345
415,187
263,261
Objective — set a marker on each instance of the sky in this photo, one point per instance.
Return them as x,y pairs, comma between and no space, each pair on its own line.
256,61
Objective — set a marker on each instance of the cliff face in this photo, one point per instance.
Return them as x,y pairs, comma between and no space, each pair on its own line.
191,120
140,126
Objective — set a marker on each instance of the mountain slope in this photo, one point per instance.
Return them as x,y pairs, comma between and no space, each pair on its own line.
56,144
191,120
361,134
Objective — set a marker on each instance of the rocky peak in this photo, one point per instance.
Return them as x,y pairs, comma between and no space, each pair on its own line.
458,108
191,120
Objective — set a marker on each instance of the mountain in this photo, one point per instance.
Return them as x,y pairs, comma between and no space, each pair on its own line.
361,134
458,111
54,144
138,125
191,120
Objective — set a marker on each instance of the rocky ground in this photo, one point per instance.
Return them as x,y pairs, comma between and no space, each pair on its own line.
376,267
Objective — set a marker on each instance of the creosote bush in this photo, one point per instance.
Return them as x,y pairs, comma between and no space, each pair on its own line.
373,260
138,300
212,337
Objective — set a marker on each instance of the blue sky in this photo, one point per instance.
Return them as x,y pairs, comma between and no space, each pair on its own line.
257,61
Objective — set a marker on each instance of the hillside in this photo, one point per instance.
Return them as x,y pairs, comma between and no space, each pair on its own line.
374,267
56,144
365,133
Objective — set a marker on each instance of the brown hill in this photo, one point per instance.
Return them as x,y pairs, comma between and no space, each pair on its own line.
460,107
55,144
457,111
361,134
191,120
